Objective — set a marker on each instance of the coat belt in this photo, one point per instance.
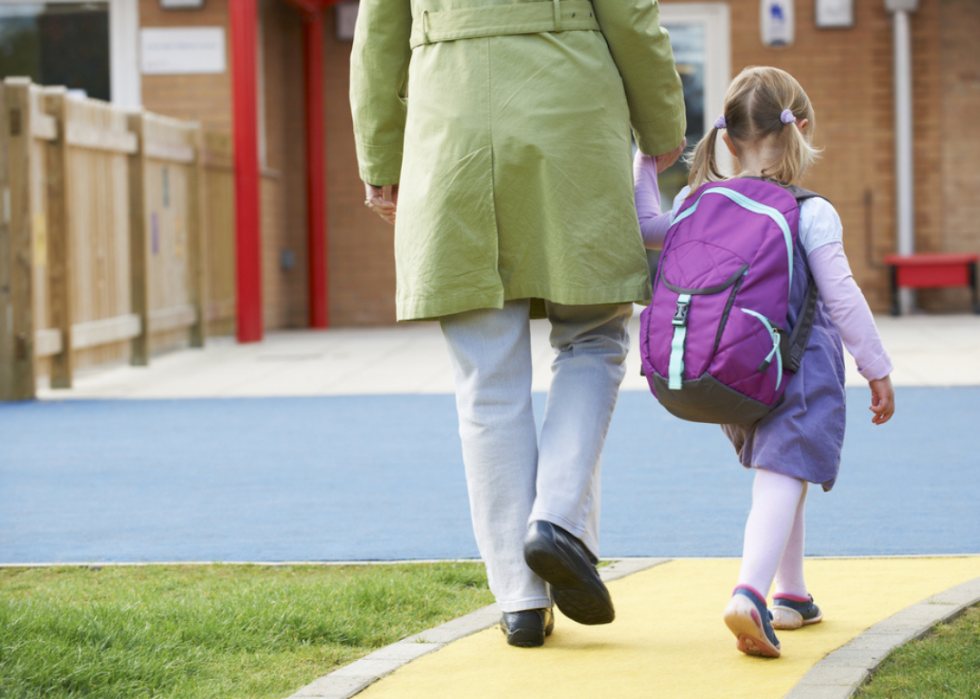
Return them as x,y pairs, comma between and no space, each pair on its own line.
500,20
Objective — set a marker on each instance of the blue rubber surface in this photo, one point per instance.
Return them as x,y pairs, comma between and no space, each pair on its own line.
380,477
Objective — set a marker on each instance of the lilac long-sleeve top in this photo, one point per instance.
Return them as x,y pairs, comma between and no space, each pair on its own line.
822,237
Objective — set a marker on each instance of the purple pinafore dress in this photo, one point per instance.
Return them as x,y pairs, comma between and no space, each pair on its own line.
803,434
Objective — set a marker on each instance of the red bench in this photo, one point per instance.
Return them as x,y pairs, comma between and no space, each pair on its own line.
932,270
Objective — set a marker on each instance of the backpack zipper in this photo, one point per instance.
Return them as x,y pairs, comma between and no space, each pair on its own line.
775,347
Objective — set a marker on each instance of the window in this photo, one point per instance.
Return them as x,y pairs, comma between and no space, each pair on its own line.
57,44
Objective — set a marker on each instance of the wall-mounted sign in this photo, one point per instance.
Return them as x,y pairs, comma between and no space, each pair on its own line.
181,4
185,50
346,15
835,13
902,5
776,20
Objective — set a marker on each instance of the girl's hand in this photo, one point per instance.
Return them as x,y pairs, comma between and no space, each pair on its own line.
882,400
382,200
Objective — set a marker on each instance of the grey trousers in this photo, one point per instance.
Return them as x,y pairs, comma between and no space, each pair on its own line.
513,475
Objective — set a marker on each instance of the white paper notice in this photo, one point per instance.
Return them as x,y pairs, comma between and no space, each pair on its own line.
177,51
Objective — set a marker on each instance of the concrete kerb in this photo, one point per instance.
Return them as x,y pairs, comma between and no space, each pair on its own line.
842,672
354,678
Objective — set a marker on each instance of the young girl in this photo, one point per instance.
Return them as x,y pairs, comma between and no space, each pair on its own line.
767,124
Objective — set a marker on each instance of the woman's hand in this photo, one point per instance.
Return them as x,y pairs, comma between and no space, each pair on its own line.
882,400
667,159
382,200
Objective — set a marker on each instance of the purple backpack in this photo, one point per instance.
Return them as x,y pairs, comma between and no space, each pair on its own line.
714,340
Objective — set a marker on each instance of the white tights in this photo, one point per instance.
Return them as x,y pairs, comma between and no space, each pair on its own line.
774,534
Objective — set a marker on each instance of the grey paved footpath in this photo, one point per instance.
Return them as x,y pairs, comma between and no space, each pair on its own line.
411,358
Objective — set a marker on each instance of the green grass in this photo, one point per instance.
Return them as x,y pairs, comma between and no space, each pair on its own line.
946,663
192,632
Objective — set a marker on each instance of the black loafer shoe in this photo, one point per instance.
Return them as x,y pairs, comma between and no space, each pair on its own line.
527,628
565,563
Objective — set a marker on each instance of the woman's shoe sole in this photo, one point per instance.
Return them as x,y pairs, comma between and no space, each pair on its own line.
579,594
742,619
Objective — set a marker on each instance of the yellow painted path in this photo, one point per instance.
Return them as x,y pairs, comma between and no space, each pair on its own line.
669,640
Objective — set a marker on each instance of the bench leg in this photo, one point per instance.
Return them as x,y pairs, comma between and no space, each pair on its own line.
973,286
896,309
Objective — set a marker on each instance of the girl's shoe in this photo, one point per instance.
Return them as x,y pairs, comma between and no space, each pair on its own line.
747,617
792,611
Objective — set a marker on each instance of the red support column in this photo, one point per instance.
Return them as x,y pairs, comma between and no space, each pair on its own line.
248,239
316,191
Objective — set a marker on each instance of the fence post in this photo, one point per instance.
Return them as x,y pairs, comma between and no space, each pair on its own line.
197,203
139,261
6,306
12,332
17,258
58,183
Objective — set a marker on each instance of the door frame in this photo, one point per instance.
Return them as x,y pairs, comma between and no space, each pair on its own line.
716,18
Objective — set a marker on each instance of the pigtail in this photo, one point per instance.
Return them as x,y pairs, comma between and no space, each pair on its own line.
798,153
702,162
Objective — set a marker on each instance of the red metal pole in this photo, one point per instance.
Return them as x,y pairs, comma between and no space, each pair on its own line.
316,193
248,240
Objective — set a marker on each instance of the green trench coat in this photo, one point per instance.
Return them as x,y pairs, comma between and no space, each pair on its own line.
510,142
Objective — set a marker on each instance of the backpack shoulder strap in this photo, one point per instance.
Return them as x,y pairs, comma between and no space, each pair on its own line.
798,339
795,346
802,194
799,193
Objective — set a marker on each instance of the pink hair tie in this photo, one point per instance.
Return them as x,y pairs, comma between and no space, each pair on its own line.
787,116
720,122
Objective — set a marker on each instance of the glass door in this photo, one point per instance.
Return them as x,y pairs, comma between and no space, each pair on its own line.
699,36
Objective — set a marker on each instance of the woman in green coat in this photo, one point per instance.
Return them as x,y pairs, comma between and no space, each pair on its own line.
495,134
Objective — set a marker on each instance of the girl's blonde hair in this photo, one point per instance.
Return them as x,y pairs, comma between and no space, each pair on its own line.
754,104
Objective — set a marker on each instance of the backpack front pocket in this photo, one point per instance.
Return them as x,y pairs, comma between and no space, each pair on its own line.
693,344
748,357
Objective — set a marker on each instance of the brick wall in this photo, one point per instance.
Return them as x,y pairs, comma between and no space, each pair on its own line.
848,75
360,253
204,98
960,71
361,248
284,288
208,98
294,168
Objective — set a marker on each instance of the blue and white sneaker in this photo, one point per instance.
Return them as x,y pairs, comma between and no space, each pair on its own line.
790,612
747,617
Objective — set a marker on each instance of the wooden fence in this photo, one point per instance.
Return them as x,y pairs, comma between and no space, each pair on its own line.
219,183
116,225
